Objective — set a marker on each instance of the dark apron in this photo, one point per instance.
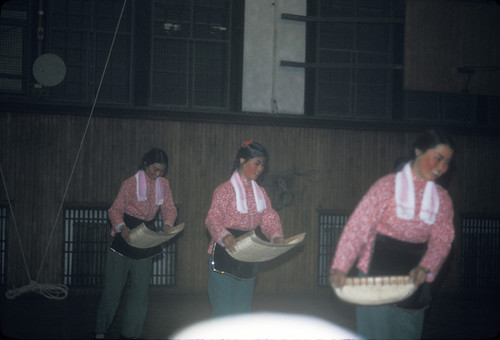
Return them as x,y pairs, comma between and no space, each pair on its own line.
391,257
223,263
120,246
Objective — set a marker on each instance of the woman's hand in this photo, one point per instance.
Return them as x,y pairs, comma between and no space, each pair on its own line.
337,278
229,242
279,240
167,228
125,232
419,275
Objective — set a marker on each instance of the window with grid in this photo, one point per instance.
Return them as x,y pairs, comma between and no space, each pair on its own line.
191,53
169,53
331,225
86,241
81,33
14,32
360,45
480,251
3,242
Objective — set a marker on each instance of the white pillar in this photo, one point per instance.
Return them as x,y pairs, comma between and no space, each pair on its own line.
267,86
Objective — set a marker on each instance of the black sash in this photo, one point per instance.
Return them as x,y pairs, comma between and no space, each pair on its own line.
394,257
120,246
223,263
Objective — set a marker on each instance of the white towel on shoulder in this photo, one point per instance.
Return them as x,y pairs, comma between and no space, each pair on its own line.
140,178
241,199
405,197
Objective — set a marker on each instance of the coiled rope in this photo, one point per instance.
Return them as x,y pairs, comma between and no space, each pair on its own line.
56,291
48,290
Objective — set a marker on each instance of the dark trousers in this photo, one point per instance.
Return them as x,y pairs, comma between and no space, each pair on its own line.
229,295
117,269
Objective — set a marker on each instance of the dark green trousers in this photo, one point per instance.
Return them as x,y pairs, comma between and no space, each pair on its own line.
227,295
117,270
389,322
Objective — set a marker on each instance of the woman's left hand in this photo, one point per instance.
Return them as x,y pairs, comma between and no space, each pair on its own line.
279,240
167,228
419,275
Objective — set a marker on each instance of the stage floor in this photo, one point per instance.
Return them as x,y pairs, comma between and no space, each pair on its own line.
32,316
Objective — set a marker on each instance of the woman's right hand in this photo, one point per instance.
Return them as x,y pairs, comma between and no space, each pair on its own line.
229,242
419,275
337,278
125,232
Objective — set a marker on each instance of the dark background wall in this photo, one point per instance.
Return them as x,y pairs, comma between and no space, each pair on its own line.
324,168
327,162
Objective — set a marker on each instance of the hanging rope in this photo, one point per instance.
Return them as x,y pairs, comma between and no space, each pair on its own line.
58,291
51,291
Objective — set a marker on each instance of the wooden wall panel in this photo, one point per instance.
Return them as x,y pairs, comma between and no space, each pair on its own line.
309,169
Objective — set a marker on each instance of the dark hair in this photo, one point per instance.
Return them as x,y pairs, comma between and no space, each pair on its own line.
429,139
155,155
248,151
432,138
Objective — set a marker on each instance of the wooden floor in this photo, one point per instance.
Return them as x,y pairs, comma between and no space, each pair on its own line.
32,316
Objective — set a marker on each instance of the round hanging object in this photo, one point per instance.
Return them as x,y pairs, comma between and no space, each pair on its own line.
49,69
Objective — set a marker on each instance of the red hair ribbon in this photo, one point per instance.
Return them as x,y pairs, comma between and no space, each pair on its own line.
247,143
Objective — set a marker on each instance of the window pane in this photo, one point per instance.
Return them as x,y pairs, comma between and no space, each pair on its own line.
170,72
71,46
81,33
210,74
211,19
13,37
172,18
338,36
372,94
191,48
360,51
334,97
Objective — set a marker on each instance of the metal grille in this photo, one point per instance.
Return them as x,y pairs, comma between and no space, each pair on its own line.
480,252
86,240
330,228
3,242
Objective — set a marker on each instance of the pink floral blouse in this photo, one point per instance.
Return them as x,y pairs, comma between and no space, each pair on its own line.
223,214
376,213
126,203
